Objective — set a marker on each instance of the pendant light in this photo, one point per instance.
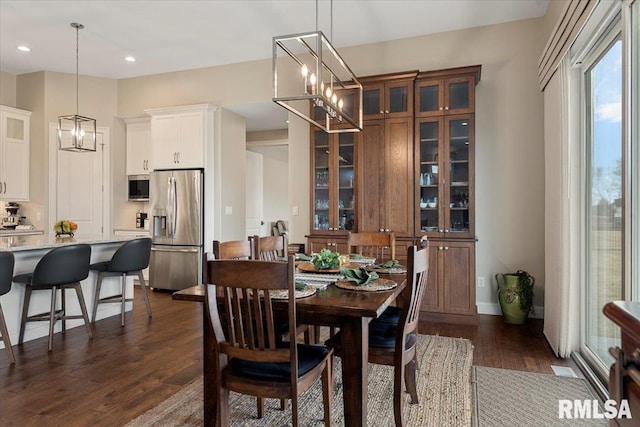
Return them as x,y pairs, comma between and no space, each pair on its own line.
313,81
76,133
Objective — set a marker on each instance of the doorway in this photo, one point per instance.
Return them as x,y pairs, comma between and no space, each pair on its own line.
79,185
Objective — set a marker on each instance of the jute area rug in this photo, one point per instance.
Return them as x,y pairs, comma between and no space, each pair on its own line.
444,392
524,399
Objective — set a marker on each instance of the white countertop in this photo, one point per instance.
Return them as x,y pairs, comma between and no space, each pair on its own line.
7,232
48,241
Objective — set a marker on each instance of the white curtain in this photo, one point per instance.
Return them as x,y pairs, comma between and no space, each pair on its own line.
562,212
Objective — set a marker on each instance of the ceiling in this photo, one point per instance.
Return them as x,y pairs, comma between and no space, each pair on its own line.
166,36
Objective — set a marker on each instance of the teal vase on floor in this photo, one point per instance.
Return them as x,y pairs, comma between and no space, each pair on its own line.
509,298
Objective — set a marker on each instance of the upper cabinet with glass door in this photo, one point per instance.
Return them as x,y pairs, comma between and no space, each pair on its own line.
446,92
333,176
388,96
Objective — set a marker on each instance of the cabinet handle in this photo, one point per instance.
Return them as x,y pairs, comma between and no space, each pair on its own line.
386,111
5,187
441,230
446,248
178,157
440,108
381,112
386,230
440,248
446,108
382,230
446,230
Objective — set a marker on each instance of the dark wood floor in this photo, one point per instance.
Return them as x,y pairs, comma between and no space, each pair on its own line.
122,372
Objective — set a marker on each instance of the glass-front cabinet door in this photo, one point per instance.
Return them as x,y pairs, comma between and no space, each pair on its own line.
445,176
334,177
387,100
459,184
429,143
443,97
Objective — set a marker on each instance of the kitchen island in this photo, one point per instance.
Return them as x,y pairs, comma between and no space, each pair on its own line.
28,250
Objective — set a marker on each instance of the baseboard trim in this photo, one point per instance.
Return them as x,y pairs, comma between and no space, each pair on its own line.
493,309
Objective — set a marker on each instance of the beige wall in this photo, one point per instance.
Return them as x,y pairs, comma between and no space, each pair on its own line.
509,128
7,89
234,175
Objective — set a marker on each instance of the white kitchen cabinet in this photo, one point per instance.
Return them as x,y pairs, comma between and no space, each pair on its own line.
179,136
14,153
139,145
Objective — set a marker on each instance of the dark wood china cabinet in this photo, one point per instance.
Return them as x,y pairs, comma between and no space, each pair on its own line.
411,171
333,197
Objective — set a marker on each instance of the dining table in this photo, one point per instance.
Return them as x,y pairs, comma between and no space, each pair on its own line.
350,310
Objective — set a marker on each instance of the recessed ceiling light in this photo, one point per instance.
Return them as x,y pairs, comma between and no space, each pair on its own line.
24,48
130,59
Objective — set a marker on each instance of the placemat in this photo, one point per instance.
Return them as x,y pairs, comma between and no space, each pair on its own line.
284,294
373,286
395,270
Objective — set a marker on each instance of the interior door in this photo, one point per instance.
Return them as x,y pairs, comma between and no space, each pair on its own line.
80,193
254,194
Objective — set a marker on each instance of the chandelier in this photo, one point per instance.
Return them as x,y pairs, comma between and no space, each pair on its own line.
313,81
76,132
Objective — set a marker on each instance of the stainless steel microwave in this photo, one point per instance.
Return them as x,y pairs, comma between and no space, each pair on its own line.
138,188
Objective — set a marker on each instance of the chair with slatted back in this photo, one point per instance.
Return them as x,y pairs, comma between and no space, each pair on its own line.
248,358
232,249
269,248
393,336
381,246
6,273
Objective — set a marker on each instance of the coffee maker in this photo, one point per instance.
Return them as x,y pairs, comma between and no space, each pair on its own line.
12,219
141,217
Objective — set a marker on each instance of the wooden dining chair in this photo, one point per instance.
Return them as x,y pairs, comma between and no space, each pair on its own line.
381,246
248,359
394,335
269,248
232,249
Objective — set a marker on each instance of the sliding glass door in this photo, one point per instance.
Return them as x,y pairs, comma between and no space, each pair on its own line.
604,210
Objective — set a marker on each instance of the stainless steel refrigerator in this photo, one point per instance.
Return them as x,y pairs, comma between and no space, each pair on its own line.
176,200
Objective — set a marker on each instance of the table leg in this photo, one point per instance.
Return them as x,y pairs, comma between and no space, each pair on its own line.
355,342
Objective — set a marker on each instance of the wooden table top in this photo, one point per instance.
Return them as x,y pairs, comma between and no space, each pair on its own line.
332,301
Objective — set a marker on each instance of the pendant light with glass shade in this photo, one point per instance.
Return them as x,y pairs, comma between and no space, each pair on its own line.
75,132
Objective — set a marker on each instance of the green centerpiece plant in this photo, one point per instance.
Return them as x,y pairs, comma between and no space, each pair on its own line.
326,259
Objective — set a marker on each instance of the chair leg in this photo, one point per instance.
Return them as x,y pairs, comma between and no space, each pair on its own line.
96,297
63,304
327,387
410,380
5,337
123,286
52,316
260,407
398,375
83,308
25,312
294,410
143,286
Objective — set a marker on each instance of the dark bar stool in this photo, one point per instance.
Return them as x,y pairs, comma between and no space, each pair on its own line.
6,271
130,259
61,268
